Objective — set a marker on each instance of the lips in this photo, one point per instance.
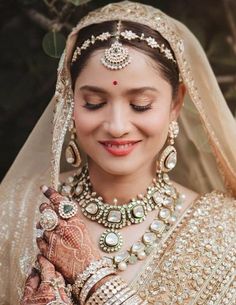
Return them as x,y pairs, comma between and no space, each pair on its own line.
118,147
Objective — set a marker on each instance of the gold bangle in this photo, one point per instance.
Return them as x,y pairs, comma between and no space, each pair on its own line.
100,274
133,300
91,269
107,290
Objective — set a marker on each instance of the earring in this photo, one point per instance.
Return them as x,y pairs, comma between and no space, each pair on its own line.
72,150
168,157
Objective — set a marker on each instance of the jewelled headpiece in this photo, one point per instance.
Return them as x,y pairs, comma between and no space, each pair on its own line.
117,56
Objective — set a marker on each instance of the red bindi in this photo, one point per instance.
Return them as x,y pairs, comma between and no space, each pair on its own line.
115,82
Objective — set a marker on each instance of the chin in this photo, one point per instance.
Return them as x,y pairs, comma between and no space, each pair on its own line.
117,168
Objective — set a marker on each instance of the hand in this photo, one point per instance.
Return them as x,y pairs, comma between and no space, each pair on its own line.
39,288
68,247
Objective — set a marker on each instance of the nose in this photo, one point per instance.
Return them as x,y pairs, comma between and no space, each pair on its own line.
117,122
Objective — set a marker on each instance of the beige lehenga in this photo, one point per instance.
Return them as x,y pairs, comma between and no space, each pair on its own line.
195,263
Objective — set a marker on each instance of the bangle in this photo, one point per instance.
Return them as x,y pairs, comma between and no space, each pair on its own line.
120,297
107,290
91,269
92,281
115,291
125,297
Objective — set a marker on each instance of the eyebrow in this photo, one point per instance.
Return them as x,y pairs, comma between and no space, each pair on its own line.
128,92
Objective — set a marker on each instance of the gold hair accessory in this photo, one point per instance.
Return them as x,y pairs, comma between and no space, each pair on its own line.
117,57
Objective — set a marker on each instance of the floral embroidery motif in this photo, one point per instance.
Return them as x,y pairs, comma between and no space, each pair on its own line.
197,264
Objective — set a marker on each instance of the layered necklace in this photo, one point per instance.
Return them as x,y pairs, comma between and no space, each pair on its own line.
161,196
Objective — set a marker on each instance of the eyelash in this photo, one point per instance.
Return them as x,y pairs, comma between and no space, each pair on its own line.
137,108
141,108
93,106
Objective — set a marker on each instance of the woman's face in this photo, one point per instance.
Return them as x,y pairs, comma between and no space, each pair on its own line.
122,116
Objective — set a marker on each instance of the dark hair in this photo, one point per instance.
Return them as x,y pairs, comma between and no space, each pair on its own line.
169,69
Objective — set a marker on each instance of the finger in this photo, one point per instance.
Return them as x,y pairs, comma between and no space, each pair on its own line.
60,278
43,246
47,269
38,225
52,195
51,236
39,233
62,291
47,236
31,284
45,205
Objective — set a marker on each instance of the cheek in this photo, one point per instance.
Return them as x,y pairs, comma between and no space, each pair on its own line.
155,124
85,122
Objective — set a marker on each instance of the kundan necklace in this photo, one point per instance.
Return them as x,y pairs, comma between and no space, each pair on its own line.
161,196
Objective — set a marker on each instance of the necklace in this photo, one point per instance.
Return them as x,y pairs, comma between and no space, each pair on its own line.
161,196
144,246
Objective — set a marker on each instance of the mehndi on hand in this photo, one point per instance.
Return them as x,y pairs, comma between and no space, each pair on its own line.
45,287
67,246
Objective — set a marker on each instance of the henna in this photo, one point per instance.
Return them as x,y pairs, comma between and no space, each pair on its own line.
34,294
68,247
53,196
39,289
45,205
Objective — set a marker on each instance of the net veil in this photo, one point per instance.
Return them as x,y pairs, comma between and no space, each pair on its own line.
206,145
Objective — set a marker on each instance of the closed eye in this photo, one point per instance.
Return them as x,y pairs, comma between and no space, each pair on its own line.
91,106
140,108
137,108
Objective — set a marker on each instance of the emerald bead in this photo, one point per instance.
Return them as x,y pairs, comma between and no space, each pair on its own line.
67,208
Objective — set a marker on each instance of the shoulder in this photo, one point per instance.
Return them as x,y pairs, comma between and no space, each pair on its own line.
219,204
190,195
212,199
203,252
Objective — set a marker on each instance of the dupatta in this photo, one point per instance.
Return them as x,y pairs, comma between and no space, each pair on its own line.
206,145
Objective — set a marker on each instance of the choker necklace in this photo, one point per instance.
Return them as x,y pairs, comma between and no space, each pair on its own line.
149,240
161,196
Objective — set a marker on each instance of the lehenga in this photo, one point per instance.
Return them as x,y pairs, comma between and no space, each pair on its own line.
195,263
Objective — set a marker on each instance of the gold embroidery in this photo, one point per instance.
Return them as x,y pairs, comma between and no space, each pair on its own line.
199,260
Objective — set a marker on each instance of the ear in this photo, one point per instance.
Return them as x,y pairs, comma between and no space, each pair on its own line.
177,103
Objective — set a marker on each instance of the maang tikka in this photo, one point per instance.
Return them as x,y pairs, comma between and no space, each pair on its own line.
72,151
117,56
168,158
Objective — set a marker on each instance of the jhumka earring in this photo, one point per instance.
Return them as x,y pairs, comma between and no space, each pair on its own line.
72,150
168,157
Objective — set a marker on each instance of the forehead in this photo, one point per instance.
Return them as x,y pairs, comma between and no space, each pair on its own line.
141,71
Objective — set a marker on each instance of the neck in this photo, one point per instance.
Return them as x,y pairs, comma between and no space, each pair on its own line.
120,187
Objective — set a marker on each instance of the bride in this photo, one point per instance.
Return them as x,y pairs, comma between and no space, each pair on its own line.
147,216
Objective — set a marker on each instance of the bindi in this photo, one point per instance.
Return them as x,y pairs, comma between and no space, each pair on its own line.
115,82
